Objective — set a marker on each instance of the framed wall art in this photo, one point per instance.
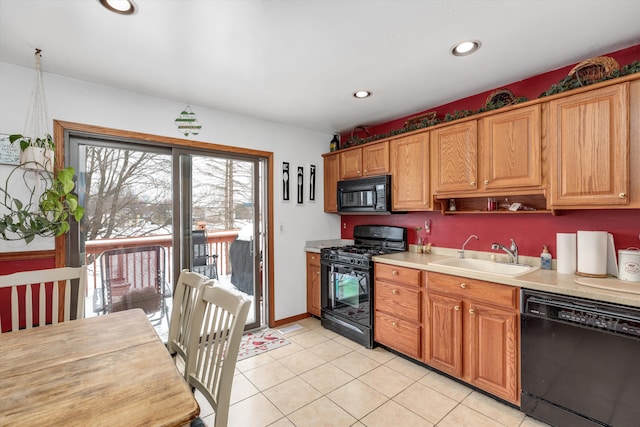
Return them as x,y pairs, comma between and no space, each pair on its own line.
300,185
285,181
9,153
312,183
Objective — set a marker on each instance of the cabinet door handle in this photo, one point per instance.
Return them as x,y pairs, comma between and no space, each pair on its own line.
473,183
471,311
394,272
486,181
394,324
463,285
366,170
394,291
318,273
622,195
456,308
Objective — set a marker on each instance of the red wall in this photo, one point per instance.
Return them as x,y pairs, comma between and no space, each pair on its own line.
530,231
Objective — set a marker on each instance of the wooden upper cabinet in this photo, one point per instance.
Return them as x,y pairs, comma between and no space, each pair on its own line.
331,177
368,160
454,153
589,144
351,163
410,172
510,149
375,159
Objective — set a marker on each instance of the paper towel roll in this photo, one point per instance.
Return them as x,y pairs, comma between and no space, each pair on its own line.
592,253
566,253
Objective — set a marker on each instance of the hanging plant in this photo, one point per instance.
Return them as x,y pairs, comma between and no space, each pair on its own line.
35,153
45,215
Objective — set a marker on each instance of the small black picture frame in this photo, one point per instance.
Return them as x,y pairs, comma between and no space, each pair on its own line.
312,183
285,181
300,184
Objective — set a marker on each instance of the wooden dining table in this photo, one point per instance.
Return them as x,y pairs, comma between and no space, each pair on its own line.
110,370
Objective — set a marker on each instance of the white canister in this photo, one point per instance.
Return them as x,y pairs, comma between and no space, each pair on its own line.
629,264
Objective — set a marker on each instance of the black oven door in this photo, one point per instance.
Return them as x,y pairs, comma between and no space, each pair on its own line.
348,293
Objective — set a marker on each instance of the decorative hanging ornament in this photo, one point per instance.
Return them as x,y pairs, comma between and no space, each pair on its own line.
187,122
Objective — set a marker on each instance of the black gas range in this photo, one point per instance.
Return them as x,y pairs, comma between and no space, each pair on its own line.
347,280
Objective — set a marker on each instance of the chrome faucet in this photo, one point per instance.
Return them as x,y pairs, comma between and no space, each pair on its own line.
513,252
461,252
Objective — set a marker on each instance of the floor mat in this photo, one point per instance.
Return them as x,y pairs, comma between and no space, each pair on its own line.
257,342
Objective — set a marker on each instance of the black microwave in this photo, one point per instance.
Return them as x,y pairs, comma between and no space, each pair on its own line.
365,195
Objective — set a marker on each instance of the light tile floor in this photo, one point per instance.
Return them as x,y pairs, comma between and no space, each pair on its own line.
323,379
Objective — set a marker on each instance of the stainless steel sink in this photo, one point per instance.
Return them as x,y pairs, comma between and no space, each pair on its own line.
490,267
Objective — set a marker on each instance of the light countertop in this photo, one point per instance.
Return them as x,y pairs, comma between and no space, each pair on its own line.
317,245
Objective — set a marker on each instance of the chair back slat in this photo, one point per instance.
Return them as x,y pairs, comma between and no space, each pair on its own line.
58,304
214,341
185,297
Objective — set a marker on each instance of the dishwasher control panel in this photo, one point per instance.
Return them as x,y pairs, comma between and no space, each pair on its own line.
592,314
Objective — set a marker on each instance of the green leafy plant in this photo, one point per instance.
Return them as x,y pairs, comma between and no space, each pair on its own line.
46,215
26,141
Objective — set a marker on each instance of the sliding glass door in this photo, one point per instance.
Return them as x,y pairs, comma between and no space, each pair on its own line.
221,222
153,210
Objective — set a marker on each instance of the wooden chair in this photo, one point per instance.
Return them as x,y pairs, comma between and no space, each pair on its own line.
52,290
214,341
185,297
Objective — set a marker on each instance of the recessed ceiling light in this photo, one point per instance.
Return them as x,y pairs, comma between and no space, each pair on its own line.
362,94
123,7
466,47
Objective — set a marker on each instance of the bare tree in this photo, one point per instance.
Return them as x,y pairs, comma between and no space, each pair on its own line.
128,193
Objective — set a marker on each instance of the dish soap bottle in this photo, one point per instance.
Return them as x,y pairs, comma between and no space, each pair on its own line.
545,258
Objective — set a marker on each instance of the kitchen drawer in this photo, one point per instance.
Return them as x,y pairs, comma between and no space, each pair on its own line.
402,301
477,290
313,258
398,334
395,274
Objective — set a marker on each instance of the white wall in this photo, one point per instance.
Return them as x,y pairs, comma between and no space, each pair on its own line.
81,102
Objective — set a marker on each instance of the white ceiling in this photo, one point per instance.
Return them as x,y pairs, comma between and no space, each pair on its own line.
297,62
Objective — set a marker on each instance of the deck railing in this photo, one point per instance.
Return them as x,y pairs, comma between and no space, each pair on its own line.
218,243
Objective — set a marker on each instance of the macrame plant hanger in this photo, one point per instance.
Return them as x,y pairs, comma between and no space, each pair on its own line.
36,125
37,159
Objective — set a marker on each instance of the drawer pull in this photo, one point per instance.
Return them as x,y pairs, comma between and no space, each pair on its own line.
394,291
394,272
622,195
394,324
463,285
456,308
471,311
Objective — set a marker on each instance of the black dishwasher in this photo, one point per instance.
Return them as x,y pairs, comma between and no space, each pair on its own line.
580,361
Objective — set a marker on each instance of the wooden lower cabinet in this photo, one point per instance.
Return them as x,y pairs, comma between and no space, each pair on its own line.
398,309
473,333
443,344
493,351
313,283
